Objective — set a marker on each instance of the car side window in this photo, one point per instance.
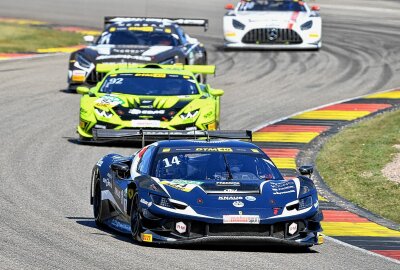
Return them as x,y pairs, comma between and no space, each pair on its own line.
145,162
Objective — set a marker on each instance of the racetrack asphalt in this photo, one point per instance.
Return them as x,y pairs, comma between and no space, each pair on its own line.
45,217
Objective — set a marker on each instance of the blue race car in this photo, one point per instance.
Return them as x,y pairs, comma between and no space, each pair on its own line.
203,191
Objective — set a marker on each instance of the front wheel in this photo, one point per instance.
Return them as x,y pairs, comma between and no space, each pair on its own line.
98,206
136,218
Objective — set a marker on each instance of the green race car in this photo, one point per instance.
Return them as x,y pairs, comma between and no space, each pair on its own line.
149,97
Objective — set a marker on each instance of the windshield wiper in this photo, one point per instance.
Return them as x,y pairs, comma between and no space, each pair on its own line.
228,169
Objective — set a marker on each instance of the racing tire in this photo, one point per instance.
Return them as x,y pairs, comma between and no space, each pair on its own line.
136,218
98,206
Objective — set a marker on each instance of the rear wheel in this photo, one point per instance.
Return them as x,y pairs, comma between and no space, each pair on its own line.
136,218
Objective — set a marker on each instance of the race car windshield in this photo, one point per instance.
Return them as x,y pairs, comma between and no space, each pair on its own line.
152,84
126,37
264,5
214,166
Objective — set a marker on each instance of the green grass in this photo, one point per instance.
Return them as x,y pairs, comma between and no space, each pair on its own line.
25,38
351,163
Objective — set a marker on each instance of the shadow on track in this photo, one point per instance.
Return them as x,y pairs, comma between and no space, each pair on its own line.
233,247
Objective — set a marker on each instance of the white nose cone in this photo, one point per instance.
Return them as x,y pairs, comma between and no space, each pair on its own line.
180,227
292,228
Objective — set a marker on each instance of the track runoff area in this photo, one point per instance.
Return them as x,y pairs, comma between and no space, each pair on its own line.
284,140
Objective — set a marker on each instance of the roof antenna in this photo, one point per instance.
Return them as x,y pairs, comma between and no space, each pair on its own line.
142,133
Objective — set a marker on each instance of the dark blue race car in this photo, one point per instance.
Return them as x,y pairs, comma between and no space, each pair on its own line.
198,191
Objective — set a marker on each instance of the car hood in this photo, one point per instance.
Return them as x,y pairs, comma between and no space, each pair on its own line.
130,107
223,193
270,16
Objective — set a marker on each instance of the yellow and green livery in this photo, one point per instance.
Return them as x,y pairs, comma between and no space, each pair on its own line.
151,96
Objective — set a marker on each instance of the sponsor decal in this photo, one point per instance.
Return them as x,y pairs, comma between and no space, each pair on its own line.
186,182
213,149
292,228
130,193
181,187
250,198
255,150
229,198
276,210
146,237
108,101
224,184
230,190
148,112
120,225
122,56
166,150
238,204
146,123
241,219
141,28
180,227
127,51
152,75
282,188
107,182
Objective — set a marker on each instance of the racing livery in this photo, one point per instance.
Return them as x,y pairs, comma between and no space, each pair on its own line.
140,96
198,191
136,40
272,24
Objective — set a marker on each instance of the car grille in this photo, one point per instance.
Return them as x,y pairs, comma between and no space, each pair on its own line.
272,36
277,230
95,77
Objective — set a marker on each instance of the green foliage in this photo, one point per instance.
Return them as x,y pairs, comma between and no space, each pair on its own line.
351,164
25,38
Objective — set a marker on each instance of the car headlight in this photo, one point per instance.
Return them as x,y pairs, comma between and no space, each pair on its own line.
189,115
161,201
102,113
306,185
83,61
305,202
238,25
306,25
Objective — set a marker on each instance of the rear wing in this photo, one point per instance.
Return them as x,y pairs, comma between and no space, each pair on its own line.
143,135
195,69
182,22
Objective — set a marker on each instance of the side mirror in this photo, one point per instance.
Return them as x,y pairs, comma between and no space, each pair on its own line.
315,8
306,170
121,169
88,39
83,90
217,92
229,7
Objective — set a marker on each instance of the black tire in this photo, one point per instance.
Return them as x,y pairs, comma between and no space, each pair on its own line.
136,218
98,205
